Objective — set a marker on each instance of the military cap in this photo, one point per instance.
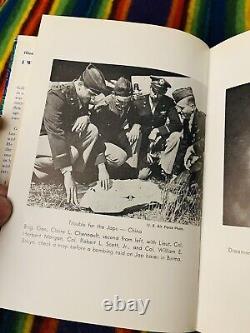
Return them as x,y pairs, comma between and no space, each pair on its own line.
181,93
159,84
93,79
123,87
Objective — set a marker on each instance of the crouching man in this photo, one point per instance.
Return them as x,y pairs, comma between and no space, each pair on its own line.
117,125
186,141
67,136
153,110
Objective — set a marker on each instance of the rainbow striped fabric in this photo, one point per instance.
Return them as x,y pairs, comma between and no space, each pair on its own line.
211,20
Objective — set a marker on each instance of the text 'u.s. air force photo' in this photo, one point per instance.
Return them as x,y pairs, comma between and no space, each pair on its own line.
121,140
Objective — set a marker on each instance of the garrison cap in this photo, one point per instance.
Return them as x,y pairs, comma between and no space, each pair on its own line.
93,79
159,84
123,87
181,93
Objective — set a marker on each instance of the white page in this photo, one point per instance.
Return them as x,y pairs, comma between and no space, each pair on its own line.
70,284
14,103
225,259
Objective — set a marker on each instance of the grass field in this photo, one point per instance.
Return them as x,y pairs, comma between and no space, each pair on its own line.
181,204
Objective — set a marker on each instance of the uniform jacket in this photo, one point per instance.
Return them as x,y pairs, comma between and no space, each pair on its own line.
61,111
194,136
149,120
111,125
197,130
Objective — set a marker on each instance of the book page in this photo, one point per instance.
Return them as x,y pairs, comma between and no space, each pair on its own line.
225,259
14,103
126,256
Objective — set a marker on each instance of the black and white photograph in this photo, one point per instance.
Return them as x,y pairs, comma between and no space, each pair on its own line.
121,140
237,157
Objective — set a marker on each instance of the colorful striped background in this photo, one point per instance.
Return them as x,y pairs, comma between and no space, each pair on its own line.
211,20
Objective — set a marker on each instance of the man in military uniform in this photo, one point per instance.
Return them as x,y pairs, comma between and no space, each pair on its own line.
67,136
119,129
153,110
185,145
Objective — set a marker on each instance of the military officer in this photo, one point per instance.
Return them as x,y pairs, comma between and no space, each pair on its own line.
67,136
118,127
186,125
153,110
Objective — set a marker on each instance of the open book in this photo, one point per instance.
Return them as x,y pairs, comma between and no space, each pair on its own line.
127,212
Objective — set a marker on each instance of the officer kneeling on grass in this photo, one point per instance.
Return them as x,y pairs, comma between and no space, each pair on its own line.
67,137
153,110
117,123
185,145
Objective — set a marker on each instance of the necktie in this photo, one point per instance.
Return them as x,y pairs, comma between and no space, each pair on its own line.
186,131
